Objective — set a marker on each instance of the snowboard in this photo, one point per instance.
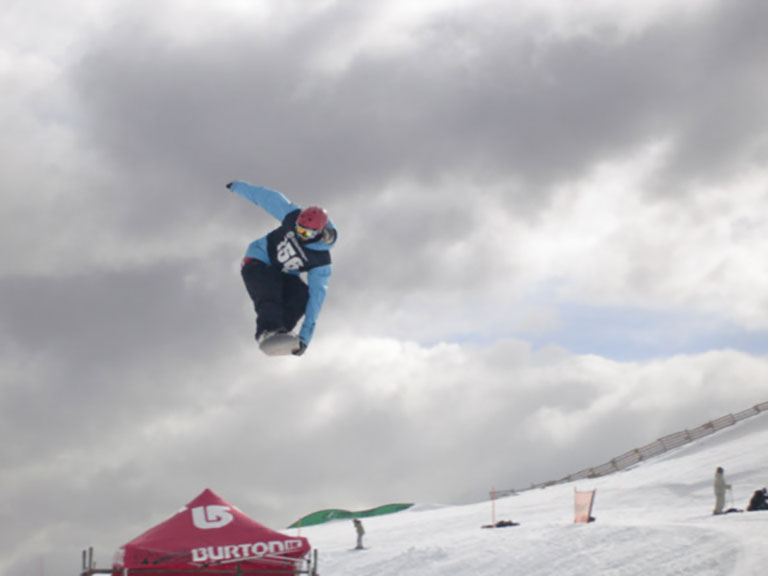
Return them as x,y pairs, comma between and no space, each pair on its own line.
280,344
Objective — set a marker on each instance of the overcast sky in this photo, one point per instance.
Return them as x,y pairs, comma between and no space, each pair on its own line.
553,248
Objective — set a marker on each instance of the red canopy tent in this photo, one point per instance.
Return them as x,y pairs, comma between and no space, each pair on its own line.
211,535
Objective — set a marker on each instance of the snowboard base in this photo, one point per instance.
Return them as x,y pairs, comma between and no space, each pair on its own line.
280,344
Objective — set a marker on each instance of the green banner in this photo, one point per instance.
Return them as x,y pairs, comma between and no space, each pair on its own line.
322,516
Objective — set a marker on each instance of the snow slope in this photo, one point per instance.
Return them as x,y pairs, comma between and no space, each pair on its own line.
655,518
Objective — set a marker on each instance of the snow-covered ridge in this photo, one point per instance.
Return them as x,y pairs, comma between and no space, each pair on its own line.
660,446
653,518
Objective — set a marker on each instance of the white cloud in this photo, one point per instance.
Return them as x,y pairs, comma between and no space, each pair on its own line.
614,239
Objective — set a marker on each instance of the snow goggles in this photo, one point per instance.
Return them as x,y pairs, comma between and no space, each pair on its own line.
307,233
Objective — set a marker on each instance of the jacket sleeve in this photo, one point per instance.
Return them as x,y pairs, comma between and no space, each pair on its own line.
317,280
273,202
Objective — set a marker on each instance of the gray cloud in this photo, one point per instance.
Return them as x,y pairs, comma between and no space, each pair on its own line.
505,105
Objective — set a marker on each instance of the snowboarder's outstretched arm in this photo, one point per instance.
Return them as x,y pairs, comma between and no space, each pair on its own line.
272,201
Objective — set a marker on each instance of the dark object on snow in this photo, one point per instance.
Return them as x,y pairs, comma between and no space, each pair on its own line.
502,524
758,501
360,533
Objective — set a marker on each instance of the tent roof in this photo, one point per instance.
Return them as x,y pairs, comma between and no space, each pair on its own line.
208,531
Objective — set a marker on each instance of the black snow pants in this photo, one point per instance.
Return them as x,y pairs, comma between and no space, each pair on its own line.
278,299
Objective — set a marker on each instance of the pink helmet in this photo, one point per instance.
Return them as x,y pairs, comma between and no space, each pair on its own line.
311,222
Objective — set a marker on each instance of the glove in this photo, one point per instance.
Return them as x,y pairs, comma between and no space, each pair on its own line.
230,185
329,236
300,350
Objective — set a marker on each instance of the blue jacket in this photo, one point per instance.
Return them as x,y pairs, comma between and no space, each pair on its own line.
275,249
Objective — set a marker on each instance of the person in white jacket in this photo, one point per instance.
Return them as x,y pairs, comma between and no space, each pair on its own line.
720,487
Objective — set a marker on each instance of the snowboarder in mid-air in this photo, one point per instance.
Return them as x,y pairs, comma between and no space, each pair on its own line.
273,265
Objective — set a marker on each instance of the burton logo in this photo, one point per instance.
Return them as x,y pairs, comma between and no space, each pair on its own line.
209,517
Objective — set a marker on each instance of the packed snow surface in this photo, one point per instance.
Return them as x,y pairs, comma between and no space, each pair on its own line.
653,519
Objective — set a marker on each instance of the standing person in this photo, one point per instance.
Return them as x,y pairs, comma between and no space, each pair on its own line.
273,265
720,486
360,532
